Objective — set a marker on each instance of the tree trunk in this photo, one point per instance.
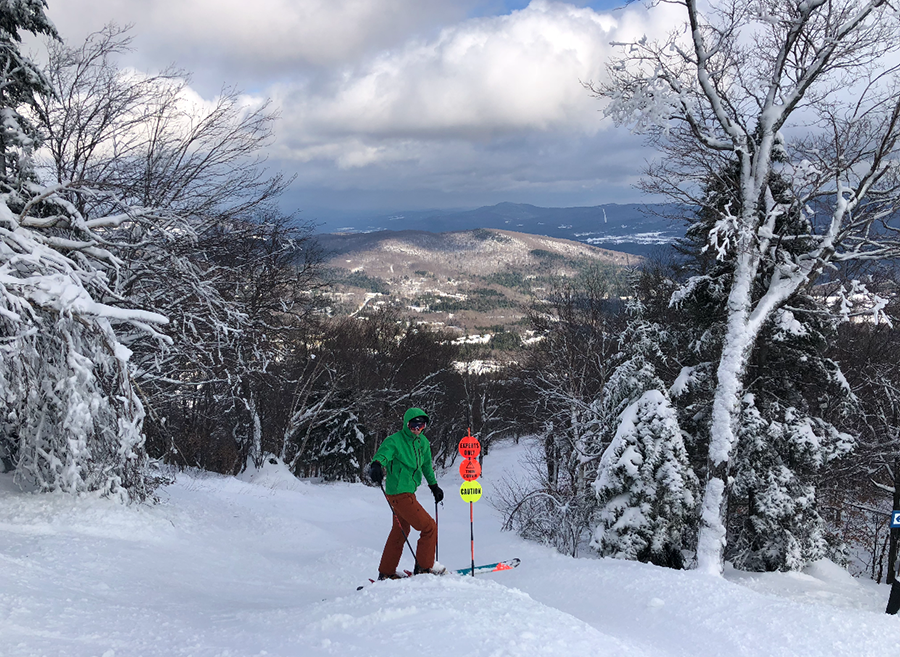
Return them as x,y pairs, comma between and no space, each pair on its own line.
552,459
726,406
256,452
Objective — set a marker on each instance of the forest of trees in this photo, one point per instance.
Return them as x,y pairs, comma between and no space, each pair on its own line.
742,402
750,334
159,308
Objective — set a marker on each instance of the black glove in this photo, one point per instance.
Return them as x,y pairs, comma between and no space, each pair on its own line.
376,472
437,492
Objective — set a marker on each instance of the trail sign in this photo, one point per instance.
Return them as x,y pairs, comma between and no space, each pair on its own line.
895,519
470,491
470,469
469,447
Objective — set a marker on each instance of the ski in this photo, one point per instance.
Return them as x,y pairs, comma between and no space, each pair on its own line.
404,575
491,567
486,568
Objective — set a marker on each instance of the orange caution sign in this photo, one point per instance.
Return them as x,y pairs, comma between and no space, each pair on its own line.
470,469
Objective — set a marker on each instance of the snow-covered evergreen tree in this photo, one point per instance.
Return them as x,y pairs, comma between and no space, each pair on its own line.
646,488
786,373
774,522
337,447
640,347
21,82
634,374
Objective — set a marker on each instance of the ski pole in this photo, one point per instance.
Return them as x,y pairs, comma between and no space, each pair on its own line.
437,534
397,520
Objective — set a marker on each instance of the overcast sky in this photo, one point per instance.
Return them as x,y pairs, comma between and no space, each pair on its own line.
407,104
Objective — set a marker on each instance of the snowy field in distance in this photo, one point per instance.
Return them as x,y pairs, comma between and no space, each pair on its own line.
266,565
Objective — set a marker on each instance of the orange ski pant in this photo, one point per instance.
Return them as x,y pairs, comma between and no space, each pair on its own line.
408,513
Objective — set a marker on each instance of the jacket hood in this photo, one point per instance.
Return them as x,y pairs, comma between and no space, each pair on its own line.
409,415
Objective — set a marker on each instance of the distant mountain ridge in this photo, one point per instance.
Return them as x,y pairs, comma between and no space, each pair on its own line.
630,228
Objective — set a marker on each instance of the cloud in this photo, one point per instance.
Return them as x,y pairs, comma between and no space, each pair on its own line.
477,82
530,165
407,98
262,39
474,80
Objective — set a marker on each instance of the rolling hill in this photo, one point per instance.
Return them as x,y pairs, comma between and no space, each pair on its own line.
471,281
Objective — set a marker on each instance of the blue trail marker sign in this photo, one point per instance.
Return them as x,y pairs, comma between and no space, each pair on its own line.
895,519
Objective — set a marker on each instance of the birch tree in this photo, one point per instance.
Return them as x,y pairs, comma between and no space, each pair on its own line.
787,90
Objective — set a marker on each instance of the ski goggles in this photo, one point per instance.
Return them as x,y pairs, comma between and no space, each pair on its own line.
417,423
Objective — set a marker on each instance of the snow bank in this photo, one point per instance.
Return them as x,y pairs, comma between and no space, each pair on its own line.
451,616
273,473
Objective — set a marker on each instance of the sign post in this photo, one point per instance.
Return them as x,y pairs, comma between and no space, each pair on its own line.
893,605
470,491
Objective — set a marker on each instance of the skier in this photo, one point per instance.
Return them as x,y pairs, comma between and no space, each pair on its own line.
406,456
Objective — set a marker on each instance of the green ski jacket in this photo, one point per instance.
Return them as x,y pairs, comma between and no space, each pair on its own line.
406,458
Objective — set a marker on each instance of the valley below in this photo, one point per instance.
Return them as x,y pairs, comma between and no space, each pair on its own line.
477,283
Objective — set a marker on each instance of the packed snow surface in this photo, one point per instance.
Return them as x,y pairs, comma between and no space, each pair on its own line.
267,565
